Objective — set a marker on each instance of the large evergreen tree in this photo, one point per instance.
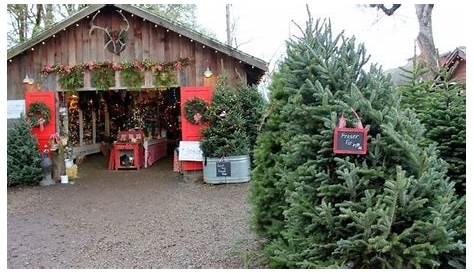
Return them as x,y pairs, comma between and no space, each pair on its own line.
393,207
23,158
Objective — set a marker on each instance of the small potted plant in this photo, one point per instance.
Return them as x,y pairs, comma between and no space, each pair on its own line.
225,143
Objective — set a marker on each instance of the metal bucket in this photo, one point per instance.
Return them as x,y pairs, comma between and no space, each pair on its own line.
232,169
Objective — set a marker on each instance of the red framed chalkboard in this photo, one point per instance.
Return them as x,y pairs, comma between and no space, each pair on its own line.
350,141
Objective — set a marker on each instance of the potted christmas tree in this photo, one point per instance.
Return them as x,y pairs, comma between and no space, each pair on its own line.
225,142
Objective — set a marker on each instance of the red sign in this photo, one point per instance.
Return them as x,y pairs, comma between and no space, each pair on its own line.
349,140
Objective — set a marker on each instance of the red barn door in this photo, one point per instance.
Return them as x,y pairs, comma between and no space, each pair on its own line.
46,97
189,131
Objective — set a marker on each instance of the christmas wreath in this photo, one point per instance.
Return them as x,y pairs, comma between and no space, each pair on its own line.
38,114
195,110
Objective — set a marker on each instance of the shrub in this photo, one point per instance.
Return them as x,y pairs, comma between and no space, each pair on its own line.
23,157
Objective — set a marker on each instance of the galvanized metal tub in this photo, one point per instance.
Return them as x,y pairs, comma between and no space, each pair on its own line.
232,169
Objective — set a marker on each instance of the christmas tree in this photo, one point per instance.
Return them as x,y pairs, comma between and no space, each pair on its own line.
391,208
251,103
441,107
226,134
23,158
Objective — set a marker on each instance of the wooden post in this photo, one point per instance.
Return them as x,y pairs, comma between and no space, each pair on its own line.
117,79
93,127
106,121
81,128
59,167
56,106
87,79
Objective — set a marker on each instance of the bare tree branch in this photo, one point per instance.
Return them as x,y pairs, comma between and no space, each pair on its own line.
387,11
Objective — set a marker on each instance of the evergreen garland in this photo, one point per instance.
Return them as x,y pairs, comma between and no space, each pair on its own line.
71,78
36,111
103,77
132,75
195,110
165,79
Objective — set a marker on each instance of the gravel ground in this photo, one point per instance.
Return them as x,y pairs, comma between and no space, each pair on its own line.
129,219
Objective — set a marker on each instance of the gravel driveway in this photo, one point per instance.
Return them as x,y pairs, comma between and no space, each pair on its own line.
128,219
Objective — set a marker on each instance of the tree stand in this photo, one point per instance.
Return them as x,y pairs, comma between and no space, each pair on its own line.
59,167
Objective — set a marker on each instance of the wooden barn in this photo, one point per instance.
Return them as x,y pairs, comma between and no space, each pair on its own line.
455,63
112,68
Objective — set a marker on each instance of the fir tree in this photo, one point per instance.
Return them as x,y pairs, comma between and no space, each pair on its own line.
226,134
441,107
392,208
23,158
267,191
251,103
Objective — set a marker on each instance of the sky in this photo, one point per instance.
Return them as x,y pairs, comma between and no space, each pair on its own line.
263,27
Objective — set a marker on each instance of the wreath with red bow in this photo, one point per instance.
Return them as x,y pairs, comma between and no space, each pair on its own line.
195,110
38,114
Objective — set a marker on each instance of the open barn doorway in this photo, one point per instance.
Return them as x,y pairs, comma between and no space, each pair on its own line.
146,121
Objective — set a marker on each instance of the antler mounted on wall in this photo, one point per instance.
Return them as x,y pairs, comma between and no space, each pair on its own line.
115,40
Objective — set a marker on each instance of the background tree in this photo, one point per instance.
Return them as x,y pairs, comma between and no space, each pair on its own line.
429,54
392,208
441,107
27,20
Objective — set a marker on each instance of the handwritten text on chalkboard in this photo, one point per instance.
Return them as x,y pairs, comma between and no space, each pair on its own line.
223,169
350,141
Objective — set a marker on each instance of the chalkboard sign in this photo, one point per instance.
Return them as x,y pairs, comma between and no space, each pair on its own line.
350,141
223,169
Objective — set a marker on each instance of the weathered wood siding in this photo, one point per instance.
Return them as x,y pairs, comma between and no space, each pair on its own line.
145,41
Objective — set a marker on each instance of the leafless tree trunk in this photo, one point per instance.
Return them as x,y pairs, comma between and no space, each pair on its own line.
22,14
48,16
227,21
38,19
429,55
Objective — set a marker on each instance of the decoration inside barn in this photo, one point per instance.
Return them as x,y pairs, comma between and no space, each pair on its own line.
97,121
350,140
